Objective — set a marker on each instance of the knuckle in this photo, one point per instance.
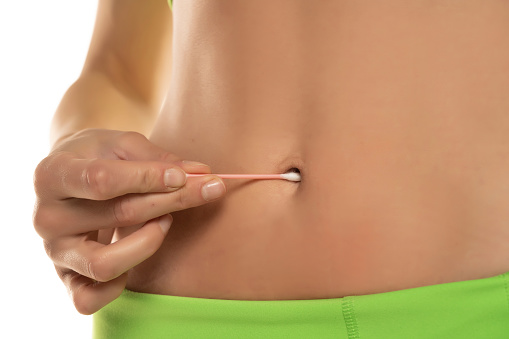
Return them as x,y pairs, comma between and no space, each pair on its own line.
125,140
100,268
124,212
83,306
42,221
39,219
150,178
181,200
58,252
82,303
40,175
151,244
96,179
44,171
129,137
49,249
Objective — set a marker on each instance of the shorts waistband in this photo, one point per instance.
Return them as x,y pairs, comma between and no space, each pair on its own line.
466,309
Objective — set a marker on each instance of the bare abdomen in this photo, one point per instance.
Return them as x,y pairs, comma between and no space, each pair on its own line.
396,116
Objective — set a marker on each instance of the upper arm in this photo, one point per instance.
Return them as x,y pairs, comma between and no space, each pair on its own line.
131,45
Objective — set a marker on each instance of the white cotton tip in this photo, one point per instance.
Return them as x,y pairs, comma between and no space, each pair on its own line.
291,176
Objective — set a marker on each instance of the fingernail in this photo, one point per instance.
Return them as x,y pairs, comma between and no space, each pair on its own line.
165,222
213,190
174,177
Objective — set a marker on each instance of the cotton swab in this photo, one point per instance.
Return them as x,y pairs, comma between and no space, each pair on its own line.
290,176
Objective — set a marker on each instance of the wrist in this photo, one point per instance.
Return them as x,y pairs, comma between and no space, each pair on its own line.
94,102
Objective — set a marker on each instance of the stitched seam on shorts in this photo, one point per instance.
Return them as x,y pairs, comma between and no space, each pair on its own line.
352,329
506,284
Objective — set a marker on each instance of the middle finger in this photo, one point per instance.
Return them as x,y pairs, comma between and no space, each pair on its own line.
75,216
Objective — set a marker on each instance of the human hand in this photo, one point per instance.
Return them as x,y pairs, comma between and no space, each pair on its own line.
97,184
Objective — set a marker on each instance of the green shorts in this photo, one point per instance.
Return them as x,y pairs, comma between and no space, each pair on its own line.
466,309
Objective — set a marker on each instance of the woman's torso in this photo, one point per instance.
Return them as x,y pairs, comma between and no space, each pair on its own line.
395,112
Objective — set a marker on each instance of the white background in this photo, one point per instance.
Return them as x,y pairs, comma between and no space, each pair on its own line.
43,45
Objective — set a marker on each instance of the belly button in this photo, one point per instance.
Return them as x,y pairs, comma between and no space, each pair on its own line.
293,174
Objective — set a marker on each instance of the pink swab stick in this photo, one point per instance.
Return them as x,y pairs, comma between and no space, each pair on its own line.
290,176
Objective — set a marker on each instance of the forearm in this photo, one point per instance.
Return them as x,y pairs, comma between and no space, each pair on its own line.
95,101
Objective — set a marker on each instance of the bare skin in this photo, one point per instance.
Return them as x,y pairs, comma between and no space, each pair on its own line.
395,114
103,195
